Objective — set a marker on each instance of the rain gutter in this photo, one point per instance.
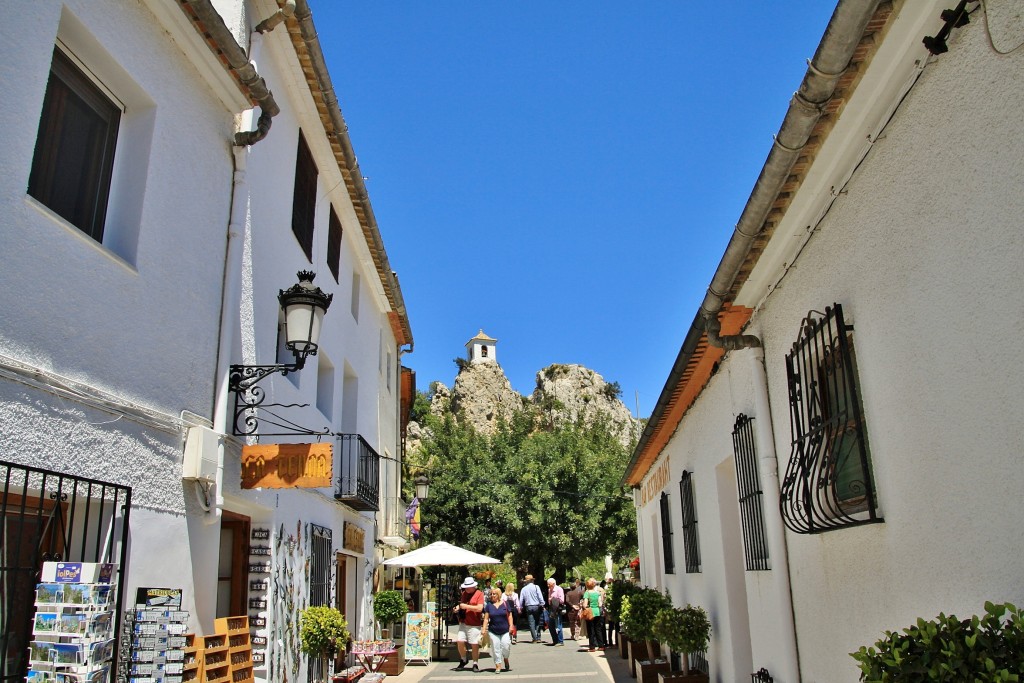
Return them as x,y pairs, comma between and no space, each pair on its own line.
843,34
304,16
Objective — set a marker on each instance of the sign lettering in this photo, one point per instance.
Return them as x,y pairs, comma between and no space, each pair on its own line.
354,538
654,484
287,466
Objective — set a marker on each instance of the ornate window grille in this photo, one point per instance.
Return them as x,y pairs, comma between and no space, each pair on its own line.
748,482
828,482
321,556
691,543
666,536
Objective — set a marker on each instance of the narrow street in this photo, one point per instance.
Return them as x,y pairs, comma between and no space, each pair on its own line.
531,662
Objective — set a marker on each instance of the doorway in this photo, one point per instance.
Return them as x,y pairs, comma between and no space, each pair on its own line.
232,565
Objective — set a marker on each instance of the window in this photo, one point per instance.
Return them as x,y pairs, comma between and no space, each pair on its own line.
304,199
355,296
74,154
325,385
748,483
666,536
483,351
691,543
334,233
828,483
389,372
321,564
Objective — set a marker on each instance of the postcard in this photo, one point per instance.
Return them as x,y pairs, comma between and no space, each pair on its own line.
49,593
46,622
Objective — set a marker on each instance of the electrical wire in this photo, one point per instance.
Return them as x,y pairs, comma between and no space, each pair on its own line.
988,33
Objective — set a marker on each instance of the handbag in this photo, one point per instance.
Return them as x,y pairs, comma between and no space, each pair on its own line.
587,614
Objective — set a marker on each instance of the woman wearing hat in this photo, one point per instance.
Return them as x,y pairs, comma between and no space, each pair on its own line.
469,609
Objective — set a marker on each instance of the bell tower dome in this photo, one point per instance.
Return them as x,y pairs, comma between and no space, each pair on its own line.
482,349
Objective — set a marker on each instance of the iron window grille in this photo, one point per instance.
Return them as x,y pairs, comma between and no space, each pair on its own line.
748,483
304,199
691,542
47,516
828,483
321,555
666,536
74,154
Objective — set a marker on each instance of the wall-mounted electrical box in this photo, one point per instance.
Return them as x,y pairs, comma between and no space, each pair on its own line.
200,461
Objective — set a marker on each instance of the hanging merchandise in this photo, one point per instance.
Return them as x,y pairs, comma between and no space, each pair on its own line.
153,641
73,628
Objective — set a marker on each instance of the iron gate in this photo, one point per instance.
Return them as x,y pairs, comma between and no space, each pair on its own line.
47,516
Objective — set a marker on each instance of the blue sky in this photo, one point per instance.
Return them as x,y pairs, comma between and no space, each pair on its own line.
564,175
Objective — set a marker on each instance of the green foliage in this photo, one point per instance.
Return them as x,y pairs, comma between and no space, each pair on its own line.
322,631
982,649
616,597
643,606
612,390
420,407
388,607
683,629
532,492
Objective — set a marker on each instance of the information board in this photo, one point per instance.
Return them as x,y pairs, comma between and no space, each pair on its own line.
417,636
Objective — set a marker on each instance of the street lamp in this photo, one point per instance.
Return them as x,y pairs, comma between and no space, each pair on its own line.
422,486
304,306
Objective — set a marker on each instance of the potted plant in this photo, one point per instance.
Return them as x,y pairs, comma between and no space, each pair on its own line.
323,631
615,600
638,622
388,607
947,649
685,630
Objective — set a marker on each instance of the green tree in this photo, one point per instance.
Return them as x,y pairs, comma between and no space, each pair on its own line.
534,494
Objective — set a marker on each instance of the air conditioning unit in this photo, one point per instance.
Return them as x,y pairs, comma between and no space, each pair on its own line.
201,447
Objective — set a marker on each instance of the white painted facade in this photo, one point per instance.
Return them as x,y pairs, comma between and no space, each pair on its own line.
110,351
482,349
923,248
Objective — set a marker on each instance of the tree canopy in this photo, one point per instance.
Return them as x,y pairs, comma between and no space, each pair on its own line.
534,493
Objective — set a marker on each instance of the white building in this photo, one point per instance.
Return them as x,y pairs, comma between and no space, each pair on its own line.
146,205
482,349
847,466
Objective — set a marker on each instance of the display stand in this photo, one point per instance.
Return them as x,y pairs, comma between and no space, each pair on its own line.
73,627
155,638
239,647
418,637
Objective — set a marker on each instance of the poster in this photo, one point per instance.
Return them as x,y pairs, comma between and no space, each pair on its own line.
417,636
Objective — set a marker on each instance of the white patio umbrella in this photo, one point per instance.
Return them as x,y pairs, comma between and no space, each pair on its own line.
440,554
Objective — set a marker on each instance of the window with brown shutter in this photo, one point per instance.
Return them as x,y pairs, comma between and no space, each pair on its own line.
304,200
334,244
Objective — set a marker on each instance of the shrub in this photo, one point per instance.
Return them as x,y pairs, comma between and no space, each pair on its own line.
322,631
947,649
614,598
638,618
388,607
684,629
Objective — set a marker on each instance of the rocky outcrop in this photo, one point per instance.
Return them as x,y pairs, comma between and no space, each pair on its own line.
570,393
481,395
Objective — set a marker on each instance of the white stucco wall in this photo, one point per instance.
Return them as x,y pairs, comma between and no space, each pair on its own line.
924,251
925,254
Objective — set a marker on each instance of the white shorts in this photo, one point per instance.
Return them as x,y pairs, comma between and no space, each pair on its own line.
468,634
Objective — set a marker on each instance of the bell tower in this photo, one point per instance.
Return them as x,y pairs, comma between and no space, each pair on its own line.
482,349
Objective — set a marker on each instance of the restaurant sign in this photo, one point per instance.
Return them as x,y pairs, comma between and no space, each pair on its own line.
287,466
654,484
354,538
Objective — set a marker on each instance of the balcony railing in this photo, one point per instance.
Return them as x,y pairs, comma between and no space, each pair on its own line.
359,475
395,524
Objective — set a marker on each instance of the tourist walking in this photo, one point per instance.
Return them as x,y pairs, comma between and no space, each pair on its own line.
593,598
610,619
498,624
572,607
512,598
556,598
532,601
470,612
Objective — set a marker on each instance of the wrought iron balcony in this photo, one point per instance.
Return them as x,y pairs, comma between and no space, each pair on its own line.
359,475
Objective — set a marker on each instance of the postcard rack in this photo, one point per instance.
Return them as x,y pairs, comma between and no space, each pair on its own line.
72,633
155,637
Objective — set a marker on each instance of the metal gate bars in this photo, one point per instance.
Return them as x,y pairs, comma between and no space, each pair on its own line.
47,516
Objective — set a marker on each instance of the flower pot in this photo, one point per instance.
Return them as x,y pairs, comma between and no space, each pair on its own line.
623,645
385,634
649,670
638,652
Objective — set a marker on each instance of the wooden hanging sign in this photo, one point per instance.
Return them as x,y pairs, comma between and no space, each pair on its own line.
287,466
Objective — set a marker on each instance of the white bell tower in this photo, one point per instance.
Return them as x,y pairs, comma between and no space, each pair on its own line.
482,349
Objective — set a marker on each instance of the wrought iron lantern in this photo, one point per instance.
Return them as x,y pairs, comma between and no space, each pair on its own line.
422,486
304,306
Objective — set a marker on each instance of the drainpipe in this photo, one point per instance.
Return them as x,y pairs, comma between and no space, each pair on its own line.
841,38
271,22
238,61
787,648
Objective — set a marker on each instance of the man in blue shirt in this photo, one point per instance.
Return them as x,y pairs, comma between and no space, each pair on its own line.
532,601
